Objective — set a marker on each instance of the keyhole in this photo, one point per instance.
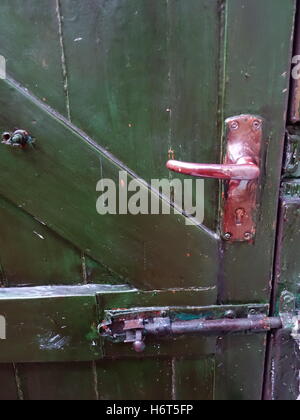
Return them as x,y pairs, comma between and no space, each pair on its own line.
239,216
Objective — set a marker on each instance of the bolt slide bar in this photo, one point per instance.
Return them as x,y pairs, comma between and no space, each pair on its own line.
219,326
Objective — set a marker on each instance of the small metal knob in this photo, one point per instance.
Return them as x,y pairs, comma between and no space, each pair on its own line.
139,346
19,138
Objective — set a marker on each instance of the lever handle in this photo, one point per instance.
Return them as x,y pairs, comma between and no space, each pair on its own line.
240,172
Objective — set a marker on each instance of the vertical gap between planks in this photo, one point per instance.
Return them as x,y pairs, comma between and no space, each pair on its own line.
214,391
170,84
96,383
84,270
269,379
223,45
223,36
18,383
63,58
173,379
3,278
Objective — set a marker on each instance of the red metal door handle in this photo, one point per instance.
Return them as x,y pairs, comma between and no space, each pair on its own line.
239,171
241,168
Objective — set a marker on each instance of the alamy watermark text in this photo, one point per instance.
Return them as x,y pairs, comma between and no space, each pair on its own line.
165,196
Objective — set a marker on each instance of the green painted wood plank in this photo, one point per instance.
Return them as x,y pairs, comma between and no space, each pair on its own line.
30,260
284,361
240,362
8,389
31,45
59,323
63,170
152,81
55,381
172,297
195,379
37,380
288,251
34,255
135,380
257,74
31,254
50,329
96,273
282,378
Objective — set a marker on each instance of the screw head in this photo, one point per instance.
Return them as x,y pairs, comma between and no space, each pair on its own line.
256,125
252,312
248,236
230,314
287,297
234,125
227,236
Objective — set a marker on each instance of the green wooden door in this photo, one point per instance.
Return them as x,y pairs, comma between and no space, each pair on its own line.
110,85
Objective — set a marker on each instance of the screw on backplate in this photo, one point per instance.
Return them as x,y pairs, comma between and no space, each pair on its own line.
230,314
248,236
288,297
234,125
252,312
287,303
256,125
19,138
227,236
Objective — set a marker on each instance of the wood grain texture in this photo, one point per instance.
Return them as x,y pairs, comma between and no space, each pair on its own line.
135,380
63,170
140,78
284,355
68,381
141,82
194,379
66,330
8,389
33,255
31,44
257,82
240,362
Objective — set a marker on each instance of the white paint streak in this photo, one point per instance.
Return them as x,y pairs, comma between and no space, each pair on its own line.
174,379
63,58
39,235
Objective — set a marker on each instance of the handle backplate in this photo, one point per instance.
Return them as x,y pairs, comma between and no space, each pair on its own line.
244,140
